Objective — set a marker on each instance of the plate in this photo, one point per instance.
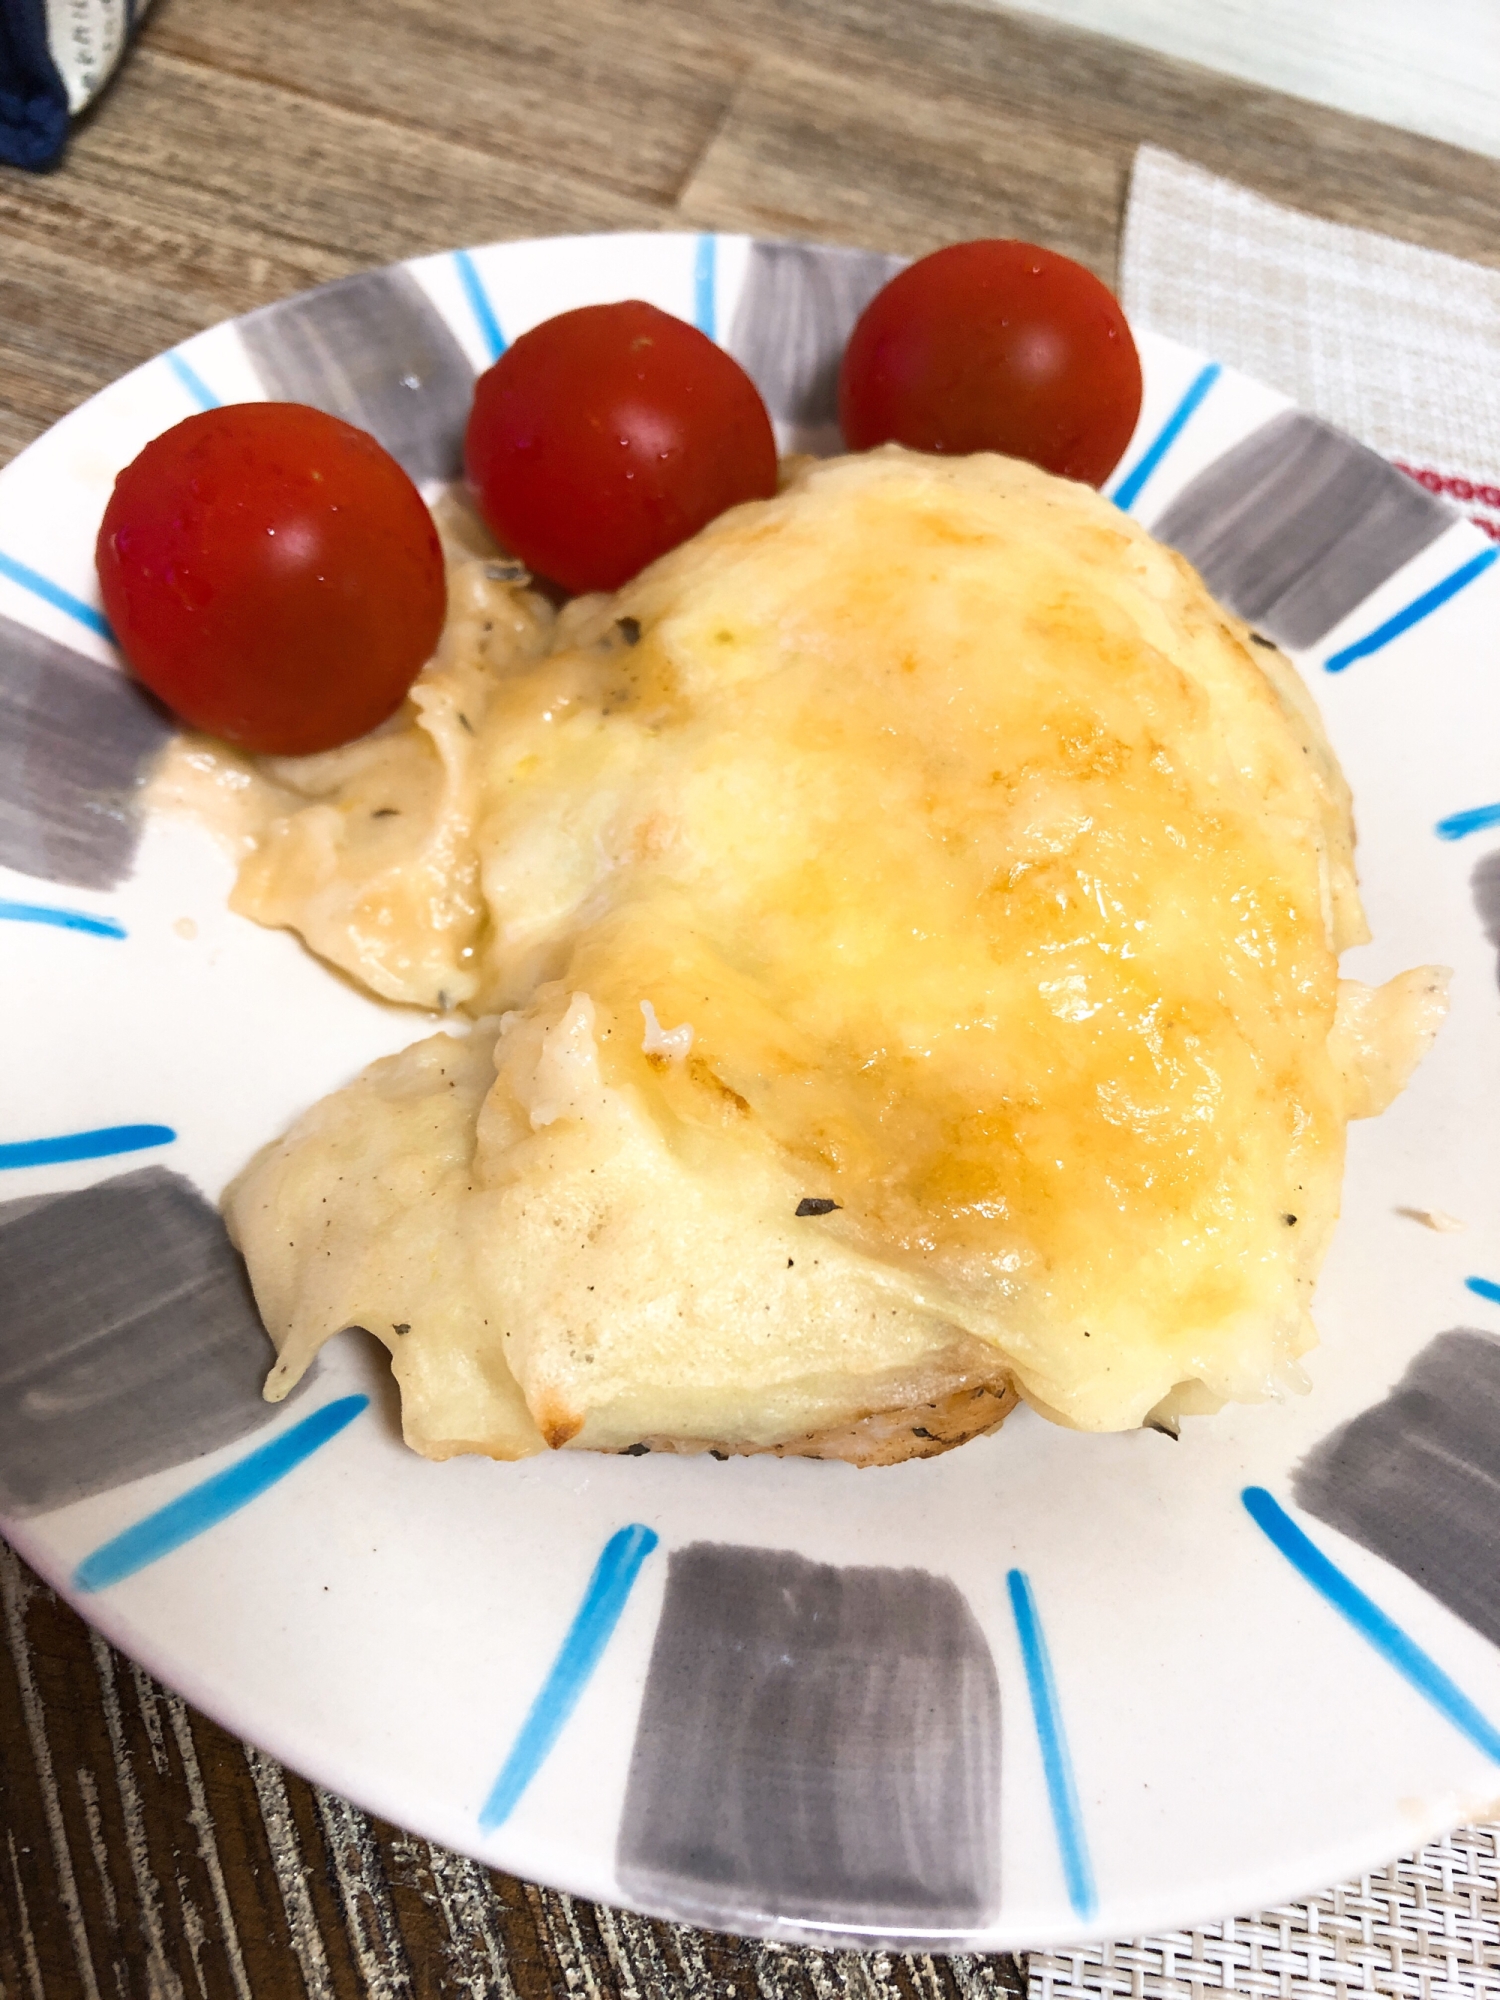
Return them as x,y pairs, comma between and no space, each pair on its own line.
1046,1687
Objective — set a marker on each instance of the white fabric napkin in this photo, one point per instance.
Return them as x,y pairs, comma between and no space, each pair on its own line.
1397,345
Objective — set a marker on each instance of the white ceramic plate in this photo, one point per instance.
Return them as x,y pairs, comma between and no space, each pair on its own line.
1044,1687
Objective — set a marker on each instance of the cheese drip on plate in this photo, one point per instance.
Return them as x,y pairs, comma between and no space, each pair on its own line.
924,841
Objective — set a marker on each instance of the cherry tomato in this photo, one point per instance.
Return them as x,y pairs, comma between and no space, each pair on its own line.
995,346
272,574
606,436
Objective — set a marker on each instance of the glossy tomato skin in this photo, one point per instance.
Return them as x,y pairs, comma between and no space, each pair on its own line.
610,434
995,346
273,575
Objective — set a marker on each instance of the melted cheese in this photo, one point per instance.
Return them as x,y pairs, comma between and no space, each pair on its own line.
975,873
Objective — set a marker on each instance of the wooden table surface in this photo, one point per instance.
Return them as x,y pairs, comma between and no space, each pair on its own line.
250,148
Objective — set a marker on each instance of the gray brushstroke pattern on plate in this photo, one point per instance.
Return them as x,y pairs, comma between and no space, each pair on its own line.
818,1745
1296,524
129,1342
1416,1478
1485,883
374,350
794,316
75,737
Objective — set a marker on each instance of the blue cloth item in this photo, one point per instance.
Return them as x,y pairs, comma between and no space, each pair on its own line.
33,96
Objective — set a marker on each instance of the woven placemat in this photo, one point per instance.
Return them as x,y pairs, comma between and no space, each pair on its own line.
1394,343
1427,1926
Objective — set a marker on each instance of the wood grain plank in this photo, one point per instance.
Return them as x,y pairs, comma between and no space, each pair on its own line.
45,1895
63,335
633,93
619,94
804,152
233,1842
1111,97
290,1872
471,1957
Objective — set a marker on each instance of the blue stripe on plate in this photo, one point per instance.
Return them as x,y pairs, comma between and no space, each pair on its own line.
1419,608
1484,1288
1128,491
97,1145
54,594
705,300
479,303
63,920
193,382
214,1499
1395,1646
608,1589
1062,1791
1474,820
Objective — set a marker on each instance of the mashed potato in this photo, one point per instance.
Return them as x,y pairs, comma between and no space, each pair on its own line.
903,932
